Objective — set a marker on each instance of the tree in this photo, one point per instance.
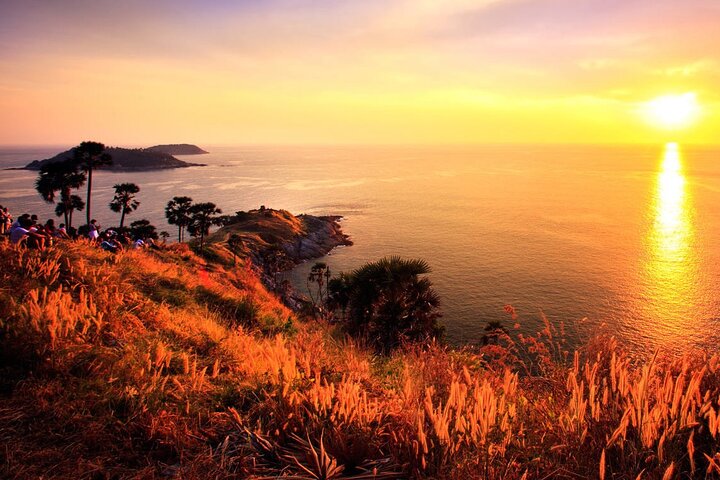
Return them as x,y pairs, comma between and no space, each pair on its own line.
88,156
62,177
143,229
67,206
235,244
317,280
338,294
177,213
388,302
202,217
124,200
164,235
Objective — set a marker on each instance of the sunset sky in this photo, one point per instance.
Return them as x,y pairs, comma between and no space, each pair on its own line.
373,71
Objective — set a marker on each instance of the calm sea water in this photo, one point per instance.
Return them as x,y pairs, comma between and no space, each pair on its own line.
614,239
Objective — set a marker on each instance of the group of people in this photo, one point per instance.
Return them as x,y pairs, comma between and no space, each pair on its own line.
113,241
26,230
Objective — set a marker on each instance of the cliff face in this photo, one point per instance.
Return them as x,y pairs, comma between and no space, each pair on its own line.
125,159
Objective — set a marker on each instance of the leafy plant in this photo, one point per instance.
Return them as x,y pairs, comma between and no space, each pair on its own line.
177,213
124,200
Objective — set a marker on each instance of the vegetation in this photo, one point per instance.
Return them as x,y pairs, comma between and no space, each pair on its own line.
143,229
235,244
63,177
202,217
124,200
89,156
387,302
317,287
177,213
68,205
151,364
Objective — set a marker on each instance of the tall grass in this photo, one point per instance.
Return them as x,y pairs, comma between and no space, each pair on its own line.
155,354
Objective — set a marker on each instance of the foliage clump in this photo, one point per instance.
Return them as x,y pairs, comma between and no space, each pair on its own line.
387,302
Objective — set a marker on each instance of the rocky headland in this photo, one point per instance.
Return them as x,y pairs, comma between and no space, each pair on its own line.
266,232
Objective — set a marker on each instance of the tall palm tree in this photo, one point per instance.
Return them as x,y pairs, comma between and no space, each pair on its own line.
202,216
89,156
124,200
177,213
389,301
63,177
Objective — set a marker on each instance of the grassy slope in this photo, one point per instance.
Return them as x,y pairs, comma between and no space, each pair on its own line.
260,231
156,364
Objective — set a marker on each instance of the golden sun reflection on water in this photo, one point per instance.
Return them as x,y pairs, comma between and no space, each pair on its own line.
669,275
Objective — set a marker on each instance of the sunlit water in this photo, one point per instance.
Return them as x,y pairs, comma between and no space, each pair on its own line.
604,239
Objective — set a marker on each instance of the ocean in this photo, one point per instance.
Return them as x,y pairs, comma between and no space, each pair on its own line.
619,240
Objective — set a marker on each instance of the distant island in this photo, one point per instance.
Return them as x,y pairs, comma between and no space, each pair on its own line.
133,159
178,149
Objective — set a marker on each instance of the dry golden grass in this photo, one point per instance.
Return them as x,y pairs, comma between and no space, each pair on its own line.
157,364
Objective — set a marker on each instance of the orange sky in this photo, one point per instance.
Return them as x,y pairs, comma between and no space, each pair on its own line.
405,71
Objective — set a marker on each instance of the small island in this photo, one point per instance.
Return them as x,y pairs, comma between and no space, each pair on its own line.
178,149
127,159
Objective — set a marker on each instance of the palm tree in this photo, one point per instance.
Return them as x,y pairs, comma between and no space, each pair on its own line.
202,216
62,177
89,156
67,206
177,213
124,200
389,301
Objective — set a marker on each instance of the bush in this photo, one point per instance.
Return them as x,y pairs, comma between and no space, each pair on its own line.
388,302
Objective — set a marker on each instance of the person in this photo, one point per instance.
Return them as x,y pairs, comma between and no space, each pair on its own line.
108,243
151,244
50,228
4,217
94,230
16,223
23,233
138,244
39,229
61,232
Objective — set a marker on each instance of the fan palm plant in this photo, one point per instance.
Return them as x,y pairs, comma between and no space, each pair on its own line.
63,177
124,200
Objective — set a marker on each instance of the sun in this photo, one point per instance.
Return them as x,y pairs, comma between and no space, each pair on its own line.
673,112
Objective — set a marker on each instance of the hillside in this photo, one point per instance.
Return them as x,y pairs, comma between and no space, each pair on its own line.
125,159
178,149
160,364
